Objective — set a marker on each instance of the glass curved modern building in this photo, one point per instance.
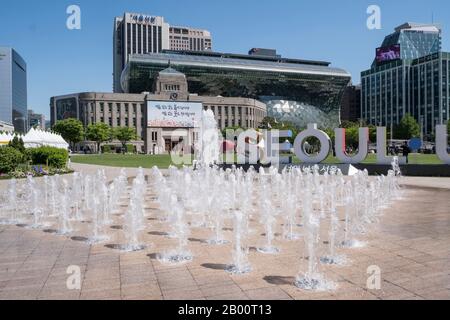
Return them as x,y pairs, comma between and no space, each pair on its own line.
300,91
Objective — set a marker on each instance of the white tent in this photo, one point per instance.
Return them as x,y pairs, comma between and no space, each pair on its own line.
5,138
37,138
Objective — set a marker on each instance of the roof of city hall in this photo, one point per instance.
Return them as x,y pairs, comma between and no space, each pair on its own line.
239,61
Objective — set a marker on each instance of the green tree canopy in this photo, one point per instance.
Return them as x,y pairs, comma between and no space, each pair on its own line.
349,124
267,123
17,143
407,129
70,129
270,123
99,132
124,135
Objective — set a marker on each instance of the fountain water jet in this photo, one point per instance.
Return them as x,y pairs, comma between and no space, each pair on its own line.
64,211
269,220
181,230
312,279
240,249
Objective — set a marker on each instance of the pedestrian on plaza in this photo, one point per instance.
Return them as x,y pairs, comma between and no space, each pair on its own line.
406,151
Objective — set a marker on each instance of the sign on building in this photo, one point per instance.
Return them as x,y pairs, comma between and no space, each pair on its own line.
66,108
172,114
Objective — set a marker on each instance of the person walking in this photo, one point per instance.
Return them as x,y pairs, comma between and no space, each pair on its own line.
406,151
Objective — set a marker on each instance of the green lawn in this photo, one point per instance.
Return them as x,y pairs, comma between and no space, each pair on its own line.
413,159
164,161
126,161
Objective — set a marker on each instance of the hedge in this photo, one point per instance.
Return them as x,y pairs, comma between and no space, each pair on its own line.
10,159
130,148
108,148
51,156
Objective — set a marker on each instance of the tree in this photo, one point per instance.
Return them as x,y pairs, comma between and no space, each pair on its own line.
349,124
407,129
268,123
124,135
99,132
17,143
71,130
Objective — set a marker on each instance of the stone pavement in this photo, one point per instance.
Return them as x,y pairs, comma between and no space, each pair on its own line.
410,245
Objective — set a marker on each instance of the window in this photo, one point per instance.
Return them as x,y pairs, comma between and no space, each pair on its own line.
126,107
118,107
110,107
134,122
140,39
127,122
102,107
155,44
134,38
159,39
145,39
128,38
134,108
172,87
118,121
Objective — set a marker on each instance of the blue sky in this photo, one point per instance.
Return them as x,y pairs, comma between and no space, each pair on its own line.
61,61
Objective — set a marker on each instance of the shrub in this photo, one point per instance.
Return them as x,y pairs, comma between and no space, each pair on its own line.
51,156
57,160
130,148
108,148
10,159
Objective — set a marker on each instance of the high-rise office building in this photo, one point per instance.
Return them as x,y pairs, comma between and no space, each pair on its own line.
189,39
136,33
351,104
36,120
13,89
409,75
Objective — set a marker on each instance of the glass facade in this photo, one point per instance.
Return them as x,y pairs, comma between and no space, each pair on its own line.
415,40
13,89
298,91
416,84
419,87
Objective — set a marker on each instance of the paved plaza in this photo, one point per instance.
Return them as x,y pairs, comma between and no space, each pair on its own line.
410,245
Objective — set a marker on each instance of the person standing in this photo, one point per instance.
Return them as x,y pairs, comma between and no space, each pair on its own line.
406,151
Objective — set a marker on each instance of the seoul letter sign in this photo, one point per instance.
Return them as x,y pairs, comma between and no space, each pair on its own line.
341,154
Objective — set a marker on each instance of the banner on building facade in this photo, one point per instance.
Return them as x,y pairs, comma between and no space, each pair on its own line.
174,114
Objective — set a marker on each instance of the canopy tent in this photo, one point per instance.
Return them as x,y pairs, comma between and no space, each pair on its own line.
5,138
36,138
